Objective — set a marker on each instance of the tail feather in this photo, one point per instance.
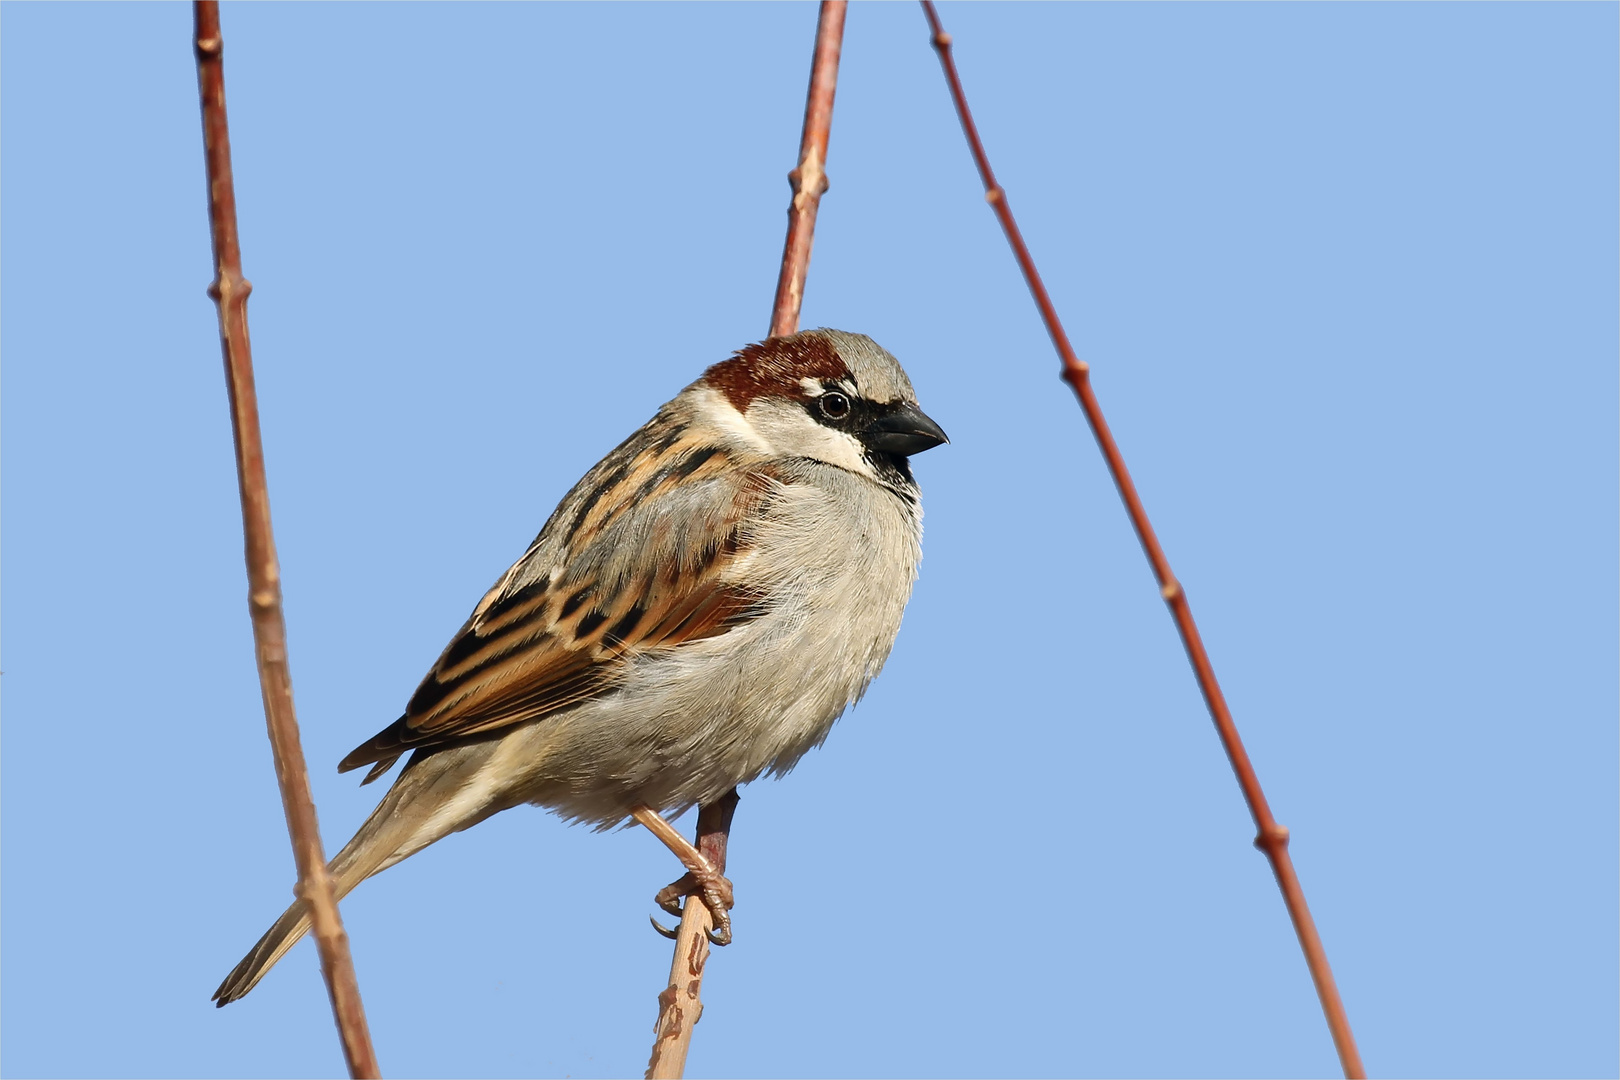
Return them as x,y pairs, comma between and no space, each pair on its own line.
293,924
435,795
360,858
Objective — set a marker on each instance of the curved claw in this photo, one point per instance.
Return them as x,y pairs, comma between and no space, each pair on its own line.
664,930
719,903
713,894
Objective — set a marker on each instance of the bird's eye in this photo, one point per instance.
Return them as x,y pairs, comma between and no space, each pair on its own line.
834,406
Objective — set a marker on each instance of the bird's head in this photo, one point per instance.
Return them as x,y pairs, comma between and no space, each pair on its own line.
831,396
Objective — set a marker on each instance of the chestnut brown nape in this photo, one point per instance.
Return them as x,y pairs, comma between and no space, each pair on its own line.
773,367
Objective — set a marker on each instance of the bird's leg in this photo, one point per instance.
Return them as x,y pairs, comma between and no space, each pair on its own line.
713,832
705,864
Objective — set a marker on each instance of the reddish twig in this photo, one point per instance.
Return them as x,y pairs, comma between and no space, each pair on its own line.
1272,838
809,180
680,1003
230,292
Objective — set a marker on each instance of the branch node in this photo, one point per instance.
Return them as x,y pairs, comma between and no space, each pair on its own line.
1272,840
228,289
995,195
1171,591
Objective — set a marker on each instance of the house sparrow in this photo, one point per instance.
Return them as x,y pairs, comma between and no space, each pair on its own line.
697,611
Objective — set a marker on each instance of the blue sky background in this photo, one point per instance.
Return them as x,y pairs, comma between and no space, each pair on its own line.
1347,278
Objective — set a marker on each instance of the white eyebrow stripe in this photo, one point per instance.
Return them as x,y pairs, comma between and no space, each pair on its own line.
814,387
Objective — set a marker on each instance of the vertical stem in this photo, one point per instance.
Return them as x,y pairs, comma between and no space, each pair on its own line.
230,292
680,1003
809,180
1272,838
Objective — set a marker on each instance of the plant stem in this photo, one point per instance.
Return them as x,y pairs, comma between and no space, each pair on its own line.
809,179
680,1003
1272,838
230,292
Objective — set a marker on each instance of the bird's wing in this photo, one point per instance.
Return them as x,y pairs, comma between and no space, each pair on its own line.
639,556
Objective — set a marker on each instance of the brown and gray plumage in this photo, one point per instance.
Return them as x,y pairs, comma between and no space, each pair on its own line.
697,612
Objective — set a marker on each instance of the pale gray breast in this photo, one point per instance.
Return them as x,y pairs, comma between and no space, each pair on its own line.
837,555
842,553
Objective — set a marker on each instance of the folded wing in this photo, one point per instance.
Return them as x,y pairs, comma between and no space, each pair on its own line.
641,556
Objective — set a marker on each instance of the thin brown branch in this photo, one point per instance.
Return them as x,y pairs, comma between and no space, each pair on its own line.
1272,838
680,1003
809,180
230,292
680,1006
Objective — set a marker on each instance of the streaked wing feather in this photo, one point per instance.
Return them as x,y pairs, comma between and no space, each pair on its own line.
644,564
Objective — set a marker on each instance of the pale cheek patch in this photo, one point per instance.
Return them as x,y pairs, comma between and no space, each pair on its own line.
792,433
715,411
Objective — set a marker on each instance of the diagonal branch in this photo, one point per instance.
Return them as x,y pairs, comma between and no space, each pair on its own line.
230,292
1272,838
680,1003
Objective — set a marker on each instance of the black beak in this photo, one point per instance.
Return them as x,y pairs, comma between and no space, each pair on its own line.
907,430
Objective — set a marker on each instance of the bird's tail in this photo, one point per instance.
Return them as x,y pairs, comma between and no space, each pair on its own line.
435,795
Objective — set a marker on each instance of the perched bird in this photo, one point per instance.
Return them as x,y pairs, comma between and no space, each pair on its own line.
698,611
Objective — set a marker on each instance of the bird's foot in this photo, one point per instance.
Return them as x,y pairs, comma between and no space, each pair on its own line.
705,876
713,889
